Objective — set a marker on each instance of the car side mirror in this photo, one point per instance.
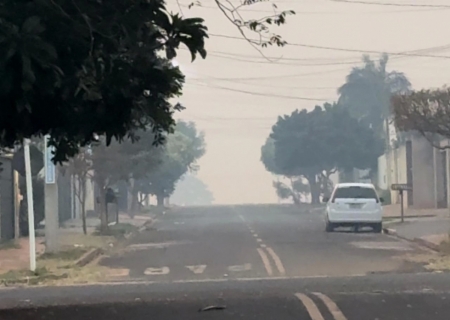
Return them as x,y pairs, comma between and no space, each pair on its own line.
381,200
325,199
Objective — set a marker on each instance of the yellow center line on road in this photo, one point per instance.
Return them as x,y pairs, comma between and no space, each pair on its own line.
310,306
266,261
277,260
332,306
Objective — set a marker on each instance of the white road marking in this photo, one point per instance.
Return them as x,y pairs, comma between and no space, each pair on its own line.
259,240
157,271
262,245
242,218
255,235
387,245
197,269
143,281
277,260
244,267
332,306
143,246
118,272
266,261
310,306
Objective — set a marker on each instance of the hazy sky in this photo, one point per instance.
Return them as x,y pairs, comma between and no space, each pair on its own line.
235,95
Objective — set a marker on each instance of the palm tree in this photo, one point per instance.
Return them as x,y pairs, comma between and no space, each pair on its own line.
367,92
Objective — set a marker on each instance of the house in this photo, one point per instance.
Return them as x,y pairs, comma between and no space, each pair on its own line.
416,162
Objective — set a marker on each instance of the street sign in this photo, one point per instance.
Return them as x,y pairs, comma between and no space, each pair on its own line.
50,170
401,187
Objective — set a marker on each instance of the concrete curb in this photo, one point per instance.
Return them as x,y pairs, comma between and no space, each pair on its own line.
410,217
88,257
418,241
92,254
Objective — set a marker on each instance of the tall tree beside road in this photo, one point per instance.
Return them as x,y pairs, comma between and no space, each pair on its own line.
73,69
191,191
424,111
314,144
80,167
180,154
368,90
284,191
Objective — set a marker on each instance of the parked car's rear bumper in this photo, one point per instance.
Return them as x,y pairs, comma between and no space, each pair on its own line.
340,217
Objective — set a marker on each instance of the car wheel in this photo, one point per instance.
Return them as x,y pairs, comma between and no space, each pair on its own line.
377,228
329,227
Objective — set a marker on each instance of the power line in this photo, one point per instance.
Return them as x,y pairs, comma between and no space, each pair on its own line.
284,61
392,4
284,76
261,94
343,49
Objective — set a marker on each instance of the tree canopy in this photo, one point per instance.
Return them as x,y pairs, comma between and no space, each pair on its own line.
368,90
180,154
190,190
316,143
424,111
77,69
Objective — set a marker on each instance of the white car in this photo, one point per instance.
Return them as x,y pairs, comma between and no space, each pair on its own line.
354,204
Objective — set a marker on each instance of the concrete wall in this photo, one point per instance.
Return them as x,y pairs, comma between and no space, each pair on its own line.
423,174
398,167
382,179
6,199
427,169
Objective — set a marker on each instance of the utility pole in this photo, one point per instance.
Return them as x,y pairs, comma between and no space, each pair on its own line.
388,154
31,231
51,201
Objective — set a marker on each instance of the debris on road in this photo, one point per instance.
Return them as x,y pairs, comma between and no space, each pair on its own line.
210,308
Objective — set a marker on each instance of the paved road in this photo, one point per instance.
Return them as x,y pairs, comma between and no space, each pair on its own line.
259,262
383,297
217,243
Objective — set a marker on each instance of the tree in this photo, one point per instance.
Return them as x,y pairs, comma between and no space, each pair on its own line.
424,111
80,167
314,144
260,28
179,156
368,90
78,69
190,190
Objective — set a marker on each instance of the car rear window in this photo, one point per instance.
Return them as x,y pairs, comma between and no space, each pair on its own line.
355,192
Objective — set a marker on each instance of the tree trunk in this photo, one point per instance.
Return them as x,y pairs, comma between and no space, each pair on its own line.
102,205
315,188
160,200
134,202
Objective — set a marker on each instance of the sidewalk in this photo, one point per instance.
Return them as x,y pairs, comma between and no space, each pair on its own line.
394,211
15,255
18,256
427,230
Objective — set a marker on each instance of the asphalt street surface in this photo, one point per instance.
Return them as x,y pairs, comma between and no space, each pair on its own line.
248,262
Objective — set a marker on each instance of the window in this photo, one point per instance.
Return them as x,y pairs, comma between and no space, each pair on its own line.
355,192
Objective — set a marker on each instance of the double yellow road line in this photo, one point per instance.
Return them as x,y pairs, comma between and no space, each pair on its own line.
314,311
265,253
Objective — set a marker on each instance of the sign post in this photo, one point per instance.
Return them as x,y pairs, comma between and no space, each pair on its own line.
51,200
400,187
31,231
50,170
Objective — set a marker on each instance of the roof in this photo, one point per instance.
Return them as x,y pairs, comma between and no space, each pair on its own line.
355,184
